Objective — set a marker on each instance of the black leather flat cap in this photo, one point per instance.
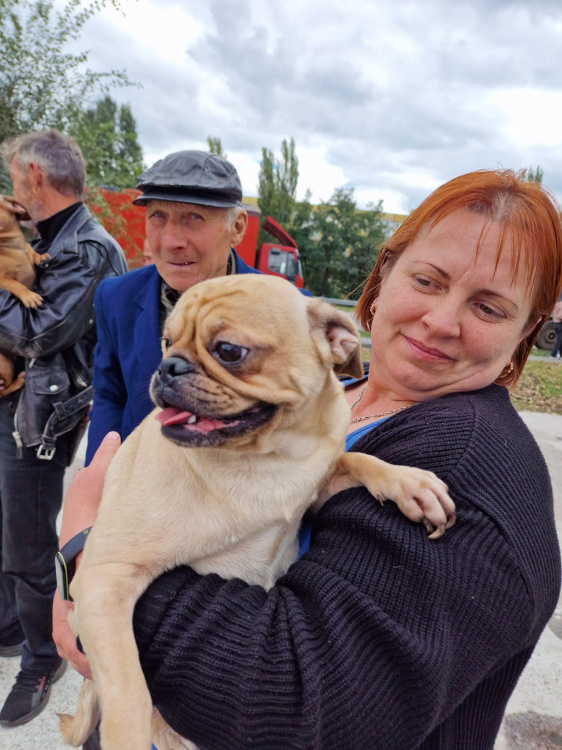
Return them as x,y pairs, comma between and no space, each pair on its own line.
191,177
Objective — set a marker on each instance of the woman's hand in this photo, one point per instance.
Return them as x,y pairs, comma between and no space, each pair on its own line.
79,512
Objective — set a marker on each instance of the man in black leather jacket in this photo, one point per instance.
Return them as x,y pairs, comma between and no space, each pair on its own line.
54,344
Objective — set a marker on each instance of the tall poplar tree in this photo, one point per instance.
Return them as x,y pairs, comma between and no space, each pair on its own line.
108,139
277,186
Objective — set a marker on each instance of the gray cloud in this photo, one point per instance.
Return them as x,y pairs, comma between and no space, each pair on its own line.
401,95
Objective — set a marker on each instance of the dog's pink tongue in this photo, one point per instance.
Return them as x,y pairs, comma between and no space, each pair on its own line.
172,415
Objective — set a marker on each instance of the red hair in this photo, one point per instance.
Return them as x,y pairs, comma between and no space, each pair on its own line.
528,213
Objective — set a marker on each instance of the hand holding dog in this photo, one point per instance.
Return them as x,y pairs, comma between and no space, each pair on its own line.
80,508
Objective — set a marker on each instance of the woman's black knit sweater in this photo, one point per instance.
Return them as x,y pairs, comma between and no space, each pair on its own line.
377,637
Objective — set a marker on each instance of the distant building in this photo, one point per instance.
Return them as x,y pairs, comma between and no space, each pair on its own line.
391,222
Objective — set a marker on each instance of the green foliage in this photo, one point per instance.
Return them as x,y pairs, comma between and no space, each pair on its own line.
277,188
338,244
346,243
535,175
107,136
41,85
215,147
5,182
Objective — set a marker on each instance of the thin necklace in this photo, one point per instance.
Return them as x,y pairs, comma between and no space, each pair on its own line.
373,416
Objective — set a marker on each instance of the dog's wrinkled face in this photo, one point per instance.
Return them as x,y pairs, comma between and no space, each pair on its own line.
242,353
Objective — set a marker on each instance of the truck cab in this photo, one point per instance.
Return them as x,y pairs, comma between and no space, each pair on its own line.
279,258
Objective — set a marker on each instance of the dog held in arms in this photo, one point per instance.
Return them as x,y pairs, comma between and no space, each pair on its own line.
17,275
249,427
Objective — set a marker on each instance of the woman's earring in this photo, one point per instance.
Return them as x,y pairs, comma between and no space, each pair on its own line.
507,370
373,308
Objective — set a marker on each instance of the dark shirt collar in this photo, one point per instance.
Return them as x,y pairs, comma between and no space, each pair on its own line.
49,228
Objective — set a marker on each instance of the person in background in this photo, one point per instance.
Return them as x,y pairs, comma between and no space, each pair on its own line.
557,320
147,258
378,637
194,218
39,424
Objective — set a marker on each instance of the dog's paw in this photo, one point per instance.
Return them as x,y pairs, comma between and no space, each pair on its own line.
422,497
15,385
31,299
39,258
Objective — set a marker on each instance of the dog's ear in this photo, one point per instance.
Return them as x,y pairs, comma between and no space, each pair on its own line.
15,208
336,337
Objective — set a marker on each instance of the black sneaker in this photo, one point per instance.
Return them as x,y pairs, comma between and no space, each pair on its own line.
30,694
11,641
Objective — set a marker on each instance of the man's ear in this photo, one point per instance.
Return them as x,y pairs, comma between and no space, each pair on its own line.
336,337
37,175
239,228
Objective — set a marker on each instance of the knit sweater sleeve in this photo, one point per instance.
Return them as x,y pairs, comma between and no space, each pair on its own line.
372,639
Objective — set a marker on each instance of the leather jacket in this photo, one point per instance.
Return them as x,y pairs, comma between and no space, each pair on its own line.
57,339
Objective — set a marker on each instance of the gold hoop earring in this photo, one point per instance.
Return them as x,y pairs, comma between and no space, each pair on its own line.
507,370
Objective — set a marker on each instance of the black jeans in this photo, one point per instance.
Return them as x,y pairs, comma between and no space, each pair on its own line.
557,346
31,496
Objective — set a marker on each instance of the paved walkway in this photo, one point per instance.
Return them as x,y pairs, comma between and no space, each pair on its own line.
533,719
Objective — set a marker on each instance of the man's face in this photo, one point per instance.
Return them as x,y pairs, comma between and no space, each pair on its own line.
22,186
190,242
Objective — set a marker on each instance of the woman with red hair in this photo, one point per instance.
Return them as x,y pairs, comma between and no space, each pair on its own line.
378,637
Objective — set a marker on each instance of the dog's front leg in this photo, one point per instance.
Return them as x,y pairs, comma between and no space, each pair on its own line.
165,738
105,597
420,495
25,295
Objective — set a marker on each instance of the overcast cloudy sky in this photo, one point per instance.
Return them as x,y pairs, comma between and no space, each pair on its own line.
390,97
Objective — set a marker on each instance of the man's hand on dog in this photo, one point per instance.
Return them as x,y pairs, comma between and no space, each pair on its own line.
80,508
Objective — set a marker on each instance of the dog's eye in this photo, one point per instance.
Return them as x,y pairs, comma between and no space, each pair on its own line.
165,342
228,353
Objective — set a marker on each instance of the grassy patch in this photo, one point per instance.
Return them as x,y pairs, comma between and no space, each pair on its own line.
540,388
540,352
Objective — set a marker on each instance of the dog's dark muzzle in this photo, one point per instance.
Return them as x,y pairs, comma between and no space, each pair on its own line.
173,367
186,420
170,379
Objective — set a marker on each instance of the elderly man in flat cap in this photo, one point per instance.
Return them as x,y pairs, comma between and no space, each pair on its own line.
194,219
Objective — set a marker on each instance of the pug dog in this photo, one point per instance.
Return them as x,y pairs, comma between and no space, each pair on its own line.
17,274
250,425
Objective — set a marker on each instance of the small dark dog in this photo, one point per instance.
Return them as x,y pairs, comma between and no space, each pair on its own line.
17,274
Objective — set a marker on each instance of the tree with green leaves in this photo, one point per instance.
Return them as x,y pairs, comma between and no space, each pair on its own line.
107,135
277,186
345,245
215,146
535,175
41,84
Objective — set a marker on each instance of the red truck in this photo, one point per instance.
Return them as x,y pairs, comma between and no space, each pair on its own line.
125,222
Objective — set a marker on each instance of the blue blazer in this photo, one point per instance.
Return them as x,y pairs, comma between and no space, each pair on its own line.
128,351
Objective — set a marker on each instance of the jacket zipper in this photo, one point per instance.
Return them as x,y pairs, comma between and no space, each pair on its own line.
17,437
16,433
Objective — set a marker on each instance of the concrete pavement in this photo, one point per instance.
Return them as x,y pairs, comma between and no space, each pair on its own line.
533,719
